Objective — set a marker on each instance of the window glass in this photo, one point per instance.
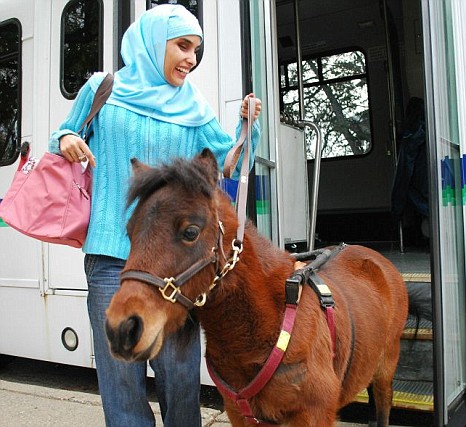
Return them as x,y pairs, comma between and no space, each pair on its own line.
310,71
82,40
192,5
10,117
335,99
343,65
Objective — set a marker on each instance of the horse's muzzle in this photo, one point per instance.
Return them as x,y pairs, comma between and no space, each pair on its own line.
125,337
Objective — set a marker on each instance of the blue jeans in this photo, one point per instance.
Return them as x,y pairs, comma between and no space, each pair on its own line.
122,385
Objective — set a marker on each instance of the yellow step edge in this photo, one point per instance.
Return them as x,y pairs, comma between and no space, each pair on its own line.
416,277
404,400
420,334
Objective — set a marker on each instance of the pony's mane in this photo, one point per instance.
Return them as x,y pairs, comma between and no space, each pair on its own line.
190,174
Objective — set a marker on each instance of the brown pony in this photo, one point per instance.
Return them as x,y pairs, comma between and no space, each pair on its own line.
184,227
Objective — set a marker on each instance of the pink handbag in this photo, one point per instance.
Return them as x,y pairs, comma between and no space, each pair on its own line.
50,199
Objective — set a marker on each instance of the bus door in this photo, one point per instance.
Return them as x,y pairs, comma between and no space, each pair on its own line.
20,260
359,63
444,45
342,48
81,44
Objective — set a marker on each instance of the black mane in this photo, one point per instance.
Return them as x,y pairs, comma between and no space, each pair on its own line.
191,174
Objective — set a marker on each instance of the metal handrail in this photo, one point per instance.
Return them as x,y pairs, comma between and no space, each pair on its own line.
315,181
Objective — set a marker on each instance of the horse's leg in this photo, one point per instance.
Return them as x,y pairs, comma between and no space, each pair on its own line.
236,419
381,387
372,409
382,392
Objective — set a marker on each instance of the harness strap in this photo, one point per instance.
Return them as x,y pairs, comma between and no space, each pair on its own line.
148,278
308,275
292,293
241,397
327,303
170,287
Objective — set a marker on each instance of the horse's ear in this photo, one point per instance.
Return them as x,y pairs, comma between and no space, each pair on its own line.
210,163
138,166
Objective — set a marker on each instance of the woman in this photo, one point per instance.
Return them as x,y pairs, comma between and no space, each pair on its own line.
154,114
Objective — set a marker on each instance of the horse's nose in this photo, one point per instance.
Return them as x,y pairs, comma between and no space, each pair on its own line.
125,337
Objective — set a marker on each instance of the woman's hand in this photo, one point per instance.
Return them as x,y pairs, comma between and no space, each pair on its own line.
245,104
75,149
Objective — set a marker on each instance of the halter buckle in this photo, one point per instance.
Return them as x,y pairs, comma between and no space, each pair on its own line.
201,300
169,286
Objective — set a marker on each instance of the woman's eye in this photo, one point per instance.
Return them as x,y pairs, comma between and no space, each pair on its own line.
191,233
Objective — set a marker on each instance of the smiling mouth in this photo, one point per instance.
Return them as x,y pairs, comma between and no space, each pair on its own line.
184,71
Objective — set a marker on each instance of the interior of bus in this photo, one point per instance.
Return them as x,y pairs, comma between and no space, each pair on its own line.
361,82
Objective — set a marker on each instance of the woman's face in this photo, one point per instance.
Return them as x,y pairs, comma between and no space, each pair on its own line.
180,58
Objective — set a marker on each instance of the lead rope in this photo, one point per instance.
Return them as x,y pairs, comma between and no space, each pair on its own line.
241,397
231,161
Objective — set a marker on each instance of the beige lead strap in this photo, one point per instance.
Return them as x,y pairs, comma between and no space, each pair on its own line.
230,164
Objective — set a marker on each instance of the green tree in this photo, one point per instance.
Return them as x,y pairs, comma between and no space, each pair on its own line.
335,99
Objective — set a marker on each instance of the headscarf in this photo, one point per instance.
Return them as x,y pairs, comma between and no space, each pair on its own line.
140,86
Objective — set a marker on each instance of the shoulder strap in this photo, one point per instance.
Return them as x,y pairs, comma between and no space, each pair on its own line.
103,92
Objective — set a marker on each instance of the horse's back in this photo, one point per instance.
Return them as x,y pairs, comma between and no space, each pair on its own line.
371,306
367,274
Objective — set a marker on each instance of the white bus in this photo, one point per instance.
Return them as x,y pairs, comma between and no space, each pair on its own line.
376,86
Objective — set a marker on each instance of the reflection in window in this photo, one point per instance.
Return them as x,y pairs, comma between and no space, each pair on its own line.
335,98
191,5
82,38
9,91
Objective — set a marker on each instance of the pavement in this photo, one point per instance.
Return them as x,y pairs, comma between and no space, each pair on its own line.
29,405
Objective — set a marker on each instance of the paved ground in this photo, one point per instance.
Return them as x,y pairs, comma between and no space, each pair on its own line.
27,405
42,394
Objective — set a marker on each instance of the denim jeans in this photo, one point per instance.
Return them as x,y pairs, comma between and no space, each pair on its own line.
122,385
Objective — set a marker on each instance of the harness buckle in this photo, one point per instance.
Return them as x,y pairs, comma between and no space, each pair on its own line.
322,291
292,286
169,286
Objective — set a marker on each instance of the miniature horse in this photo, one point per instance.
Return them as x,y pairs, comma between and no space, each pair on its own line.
184,225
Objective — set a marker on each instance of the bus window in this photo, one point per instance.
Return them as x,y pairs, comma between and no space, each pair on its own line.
81,44
335,98
10,84
194,6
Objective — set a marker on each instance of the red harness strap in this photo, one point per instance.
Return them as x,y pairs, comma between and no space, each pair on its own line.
241,397
326,302
330,313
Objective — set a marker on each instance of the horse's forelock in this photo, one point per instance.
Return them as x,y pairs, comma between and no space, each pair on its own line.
189,174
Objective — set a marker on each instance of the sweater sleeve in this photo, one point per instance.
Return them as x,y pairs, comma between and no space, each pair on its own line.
79,111
213,137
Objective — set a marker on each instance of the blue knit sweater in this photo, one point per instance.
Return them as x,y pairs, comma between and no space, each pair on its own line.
119,135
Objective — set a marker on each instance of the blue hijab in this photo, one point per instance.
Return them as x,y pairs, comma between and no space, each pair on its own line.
140,86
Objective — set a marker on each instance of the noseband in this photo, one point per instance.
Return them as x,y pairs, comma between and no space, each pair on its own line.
170,288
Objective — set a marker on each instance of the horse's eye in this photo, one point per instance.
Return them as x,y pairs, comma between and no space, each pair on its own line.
191,233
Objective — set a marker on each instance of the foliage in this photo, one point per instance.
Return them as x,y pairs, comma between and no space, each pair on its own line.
335,99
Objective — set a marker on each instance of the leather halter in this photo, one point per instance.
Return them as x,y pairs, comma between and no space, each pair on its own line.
170,287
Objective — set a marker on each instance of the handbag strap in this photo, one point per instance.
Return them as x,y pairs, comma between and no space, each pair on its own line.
103,92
